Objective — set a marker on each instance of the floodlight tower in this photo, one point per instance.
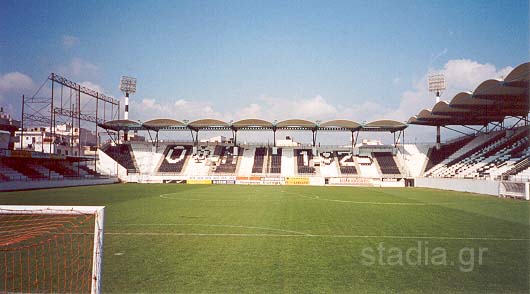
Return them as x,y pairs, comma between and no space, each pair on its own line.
127,86
437,85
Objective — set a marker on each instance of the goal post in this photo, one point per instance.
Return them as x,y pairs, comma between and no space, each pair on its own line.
51,248
519,190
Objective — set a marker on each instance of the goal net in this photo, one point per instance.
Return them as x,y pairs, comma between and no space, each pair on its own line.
514,190
51,249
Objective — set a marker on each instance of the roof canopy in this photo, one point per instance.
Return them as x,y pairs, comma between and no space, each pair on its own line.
161,123
341,124
119,124
428,117
384,125
296,123
255,124
208,124
251,123
491,101
519,76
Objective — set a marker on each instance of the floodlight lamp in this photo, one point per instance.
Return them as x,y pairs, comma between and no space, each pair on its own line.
436,83
128,84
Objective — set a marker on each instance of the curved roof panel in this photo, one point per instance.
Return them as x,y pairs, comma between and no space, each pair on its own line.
208,123
119,124
426,117
443,108
496,89
161,123
519,76
252,122
384,125
465,100
415,121
296,123
340,123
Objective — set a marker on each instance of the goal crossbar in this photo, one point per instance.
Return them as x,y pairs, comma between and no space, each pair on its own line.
99,220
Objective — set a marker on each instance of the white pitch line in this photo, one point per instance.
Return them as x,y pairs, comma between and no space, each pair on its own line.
317,236
164,196
369,202
216,225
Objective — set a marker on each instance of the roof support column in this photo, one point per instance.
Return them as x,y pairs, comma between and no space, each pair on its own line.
156,141
194,138
403,154
274,136
149,133
314,137
438,143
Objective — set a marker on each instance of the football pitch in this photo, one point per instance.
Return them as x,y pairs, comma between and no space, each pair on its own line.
269,239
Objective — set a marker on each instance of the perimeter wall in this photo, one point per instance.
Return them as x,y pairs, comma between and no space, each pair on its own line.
462,185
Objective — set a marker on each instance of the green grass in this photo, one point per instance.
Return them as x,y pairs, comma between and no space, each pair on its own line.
205,238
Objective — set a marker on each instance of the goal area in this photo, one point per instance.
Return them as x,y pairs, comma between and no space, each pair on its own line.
51,249
515,190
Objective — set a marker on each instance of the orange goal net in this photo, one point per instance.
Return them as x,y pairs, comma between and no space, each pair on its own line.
51,249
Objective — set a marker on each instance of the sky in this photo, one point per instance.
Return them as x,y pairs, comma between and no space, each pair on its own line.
315,60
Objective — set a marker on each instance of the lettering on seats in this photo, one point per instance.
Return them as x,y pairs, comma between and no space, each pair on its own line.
178,159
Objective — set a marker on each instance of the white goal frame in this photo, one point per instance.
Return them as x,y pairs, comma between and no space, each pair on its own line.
97,211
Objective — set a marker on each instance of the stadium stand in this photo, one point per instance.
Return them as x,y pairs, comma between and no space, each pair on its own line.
247,162
520,169
490,155
123,155
3,178
386,163
11,174
367,168
346,163
228,160
304,161
328,164
436,156
479,142
23,168
175,157
276,161
259,156
88,170
61,167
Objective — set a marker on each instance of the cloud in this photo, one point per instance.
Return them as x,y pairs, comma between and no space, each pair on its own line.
12,86
281,108
79,69
93,86
460,74
70,41
267,108
149,108
15,82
